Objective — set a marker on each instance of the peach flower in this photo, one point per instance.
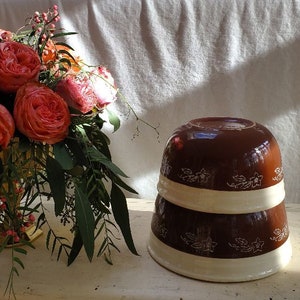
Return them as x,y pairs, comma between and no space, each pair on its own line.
53,52
18,64
7,127
41,114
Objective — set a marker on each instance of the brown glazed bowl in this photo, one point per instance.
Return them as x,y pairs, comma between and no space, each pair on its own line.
219,213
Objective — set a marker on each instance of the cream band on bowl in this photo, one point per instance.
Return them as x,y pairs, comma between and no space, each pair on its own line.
214,201
216,269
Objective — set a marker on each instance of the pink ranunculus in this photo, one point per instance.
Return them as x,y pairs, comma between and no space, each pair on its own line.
104,86
41,114
86,91
19,64
7,127
77,92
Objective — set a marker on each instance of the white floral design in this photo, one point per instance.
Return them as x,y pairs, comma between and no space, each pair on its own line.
280,234
279,174
242,245
200,245
242,183
201,176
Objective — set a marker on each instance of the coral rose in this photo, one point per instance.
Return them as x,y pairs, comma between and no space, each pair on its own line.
41,114
18,64
7,127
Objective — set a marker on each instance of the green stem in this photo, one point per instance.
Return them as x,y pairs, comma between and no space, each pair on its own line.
137,118
10,282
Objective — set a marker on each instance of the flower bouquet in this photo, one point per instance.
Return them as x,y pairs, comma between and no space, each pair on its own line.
53,148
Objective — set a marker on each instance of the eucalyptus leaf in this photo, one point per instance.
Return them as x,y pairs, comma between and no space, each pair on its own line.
56,179
85,218
101,158
20,250
62,155
76,150
76,247
56,35
65,45
99,140
18,260
117,180
121,215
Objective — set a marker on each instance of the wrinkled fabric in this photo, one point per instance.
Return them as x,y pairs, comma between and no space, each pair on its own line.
179,60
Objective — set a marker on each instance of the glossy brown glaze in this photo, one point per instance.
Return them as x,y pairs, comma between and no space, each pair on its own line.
219,235
222,153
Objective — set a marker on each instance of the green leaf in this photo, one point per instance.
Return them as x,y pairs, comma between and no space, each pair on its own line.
64,44
63,156
56,178
99,139
75,148
63,34
20,250
4,243
85,219
28,243
53,245
101,158
48,238
121,215
108,259
59,252
15,270
76,247
76,171
113,120
18,261
66,61
117,180
41,220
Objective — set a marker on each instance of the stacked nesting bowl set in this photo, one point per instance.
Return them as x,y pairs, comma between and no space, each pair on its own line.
220,214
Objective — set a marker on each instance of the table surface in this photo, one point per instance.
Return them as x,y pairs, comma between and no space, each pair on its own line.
140,277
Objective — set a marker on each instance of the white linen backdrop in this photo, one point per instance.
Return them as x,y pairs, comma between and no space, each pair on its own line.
179,60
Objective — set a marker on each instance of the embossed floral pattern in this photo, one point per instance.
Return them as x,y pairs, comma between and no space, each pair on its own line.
242,245
242,183
198,244
279,174
280,234
189,176
159,227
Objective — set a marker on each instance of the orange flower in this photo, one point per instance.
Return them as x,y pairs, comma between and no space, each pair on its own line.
49,53
53,52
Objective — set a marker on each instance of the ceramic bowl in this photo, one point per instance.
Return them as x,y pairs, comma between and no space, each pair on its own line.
219,213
